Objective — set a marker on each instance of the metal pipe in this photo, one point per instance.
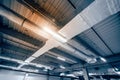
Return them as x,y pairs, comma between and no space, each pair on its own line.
20,20
25,63
78,54
67,59
12,69
79,45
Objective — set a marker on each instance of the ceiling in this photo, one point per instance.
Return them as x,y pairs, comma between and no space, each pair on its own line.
92,33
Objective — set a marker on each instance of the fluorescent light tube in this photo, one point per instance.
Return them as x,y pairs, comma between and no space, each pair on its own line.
118,72
60,58
62,74
71,75
103,59
62,67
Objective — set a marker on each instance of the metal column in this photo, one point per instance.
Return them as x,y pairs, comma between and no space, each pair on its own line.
48,75
85,74
25,77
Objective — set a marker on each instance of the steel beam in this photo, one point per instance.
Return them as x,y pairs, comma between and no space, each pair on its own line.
85,74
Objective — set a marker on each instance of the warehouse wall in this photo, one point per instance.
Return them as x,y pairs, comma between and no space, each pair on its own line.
7,75
14,75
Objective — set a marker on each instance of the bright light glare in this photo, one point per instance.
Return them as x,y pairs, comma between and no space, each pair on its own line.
26,75
118,72
60,58
91,60
92,74
62,67
103,59
62,74
116,69
78,72
27,61
55,35
71,75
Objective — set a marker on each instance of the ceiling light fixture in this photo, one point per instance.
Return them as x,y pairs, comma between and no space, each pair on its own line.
92,74
61,58
103,59
62,67
70,75
27,62
55,35
78,72
62,74
116,69
118,72
91,60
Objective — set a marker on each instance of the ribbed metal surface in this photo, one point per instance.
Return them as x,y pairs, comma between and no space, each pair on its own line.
62,11
26,13
102,39
106,41
93,40
109,31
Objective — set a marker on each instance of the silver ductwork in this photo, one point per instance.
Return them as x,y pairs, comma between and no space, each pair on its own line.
20,20
78,54
81,47
25,63
67,59
22,69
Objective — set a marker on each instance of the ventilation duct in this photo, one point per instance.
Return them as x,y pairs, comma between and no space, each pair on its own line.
22,69
20,20
9,14
25,63
78,54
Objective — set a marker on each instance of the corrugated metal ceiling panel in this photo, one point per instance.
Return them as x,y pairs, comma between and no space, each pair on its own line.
109,31
92,39
61,11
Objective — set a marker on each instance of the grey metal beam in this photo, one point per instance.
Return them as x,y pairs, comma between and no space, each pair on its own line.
108,77
110,60
5,68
